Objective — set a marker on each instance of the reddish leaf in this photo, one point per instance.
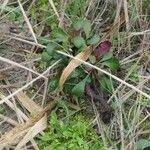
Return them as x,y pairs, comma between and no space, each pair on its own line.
74,34
102,49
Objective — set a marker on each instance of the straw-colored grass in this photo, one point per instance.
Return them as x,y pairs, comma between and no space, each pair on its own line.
26,117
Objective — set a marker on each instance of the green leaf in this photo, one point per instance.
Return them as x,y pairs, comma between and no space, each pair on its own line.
74,134
67,134
78,25
142,144
57,56
63,105
46,57
93,40
87,28
75,74
107,56
80,140
92,59
43,40
51,48
107,83
51,62
78,72
53,84
112,63
78,89
53,118
59,35
79,42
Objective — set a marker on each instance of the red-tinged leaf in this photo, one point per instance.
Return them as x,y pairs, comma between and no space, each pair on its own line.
74,34
102,49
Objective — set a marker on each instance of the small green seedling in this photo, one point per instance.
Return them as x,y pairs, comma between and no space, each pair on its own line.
69,134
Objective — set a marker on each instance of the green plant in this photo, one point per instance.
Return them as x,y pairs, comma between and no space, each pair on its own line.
76,8
74,134
74,39
142,144
40,11
14,14
134,76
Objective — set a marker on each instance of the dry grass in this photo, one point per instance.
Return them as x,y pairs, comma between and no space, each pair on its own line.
25,113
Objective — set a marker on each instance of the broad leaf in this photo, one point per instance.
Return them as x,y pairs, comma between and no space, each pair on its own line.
102,49
112,63
51,48
93,40
79,42
43,40
57,56
59,35
46,57
87,28
53,84
74,33
84,55
78,72
142,144
78,90
107,83
107,56
78,25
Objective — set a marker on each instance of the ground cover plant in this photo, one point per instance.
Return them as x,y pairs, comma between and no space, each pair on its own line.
74,74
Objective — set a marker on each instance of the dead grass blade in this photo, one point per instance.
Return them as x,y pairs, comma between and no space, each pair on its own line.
25,86
19,113
27,131
125,4
29,104
27,21
13,136
8,120
115,26
19,65
119,21
4,5
54,8
107,73
33,131
84,55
